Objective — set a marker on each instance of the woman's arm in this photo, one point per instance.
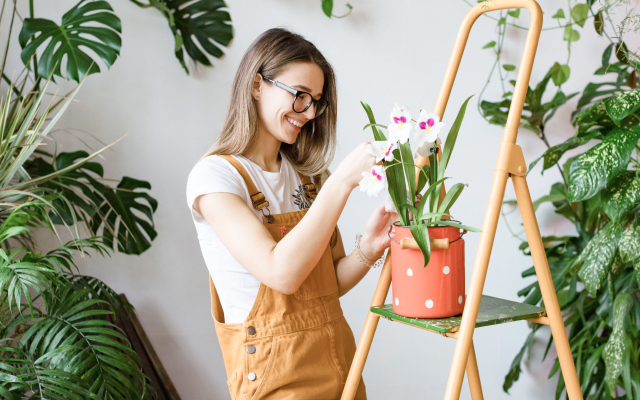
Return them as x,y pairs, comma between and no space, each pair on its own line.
284,265
349,269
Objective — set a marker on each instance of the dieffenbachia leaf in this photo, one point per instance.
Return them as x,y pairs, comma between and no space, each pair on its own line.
622,105
597,256
591,170
621,194
616,346
553,154
629,244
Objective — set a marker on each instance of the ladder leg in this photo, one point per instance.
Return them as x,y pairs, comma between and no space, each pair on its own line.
547,288
364,344
474,295
473,375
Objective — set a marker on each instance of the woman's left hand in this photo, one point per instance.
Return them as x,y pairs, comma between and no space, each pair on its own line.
375,239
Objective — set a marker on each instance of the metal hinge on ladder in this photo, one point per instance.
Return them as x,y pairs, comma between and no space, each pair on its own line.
511,159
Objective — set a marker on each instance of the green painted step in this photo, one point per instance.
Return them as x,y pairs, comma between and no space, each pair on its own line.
493,311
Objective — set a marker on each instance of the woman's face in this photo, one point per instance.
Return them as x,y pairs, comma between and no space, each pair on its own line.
275,111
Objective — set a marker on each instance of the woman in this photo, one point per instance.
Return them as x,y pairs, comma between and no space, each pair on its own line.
275,289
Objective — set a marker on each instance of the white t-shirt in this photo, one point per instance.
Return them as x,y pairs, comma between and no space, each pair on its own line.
236,287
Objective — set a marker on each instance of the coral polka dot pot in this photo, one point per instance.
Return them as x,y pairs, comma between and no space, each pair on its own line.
434,291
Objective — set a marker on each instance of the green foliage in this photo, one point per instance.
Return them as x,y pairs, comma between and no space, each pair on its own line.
596,271
57,336
402,170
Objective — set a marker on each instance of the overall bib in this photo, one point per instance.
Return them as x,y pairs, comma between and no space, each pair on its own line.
292,347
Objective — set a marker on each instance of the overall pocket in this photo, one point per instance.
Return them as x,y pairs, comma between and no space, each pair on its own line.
234,387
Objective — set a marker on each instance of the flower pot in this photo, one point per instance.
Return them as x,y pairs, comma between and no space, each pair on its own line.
434,291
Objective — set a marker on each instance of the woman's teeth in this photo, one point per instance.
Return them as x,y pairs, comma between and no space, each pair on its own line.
296,123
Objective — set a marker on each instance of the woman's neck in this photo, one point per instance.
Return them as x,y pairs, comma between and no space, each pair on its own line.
265,151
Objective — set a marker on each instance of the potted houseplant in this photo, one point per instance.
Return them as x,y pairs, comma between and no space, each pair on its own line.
427,250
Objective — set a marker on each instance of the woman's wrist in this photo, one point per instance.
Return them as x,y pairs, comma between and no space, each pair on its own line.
368,249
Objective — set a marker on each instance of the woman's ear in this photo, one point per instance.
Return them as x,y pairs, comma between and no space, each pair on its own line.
257,86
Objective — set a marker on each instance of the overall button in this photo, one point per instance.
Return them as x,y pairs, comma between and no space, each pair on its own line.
251,330
252,376
251,349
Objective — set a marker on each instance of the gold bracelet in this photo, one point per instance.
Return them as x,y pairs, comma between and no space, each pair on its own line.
363,258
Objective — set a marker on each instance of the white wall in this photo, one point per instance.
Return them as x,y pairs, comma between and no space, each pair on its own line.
384,52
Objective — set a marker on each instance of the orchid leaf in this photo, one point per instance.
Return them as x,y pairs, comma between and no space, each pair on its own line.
420,233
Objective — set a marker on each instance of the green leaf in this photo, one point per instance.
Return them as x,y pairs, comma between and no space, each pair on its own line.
420,233
554,153
616,345
118,212
509,67
489,45
591,170
579,13
598,23
409,169
327,7
621,194
629,244
597,257
622,105
78,29
514,371
457,225
559,14
636,269
451,197
514,13
560,73
570,34
451,138
197,25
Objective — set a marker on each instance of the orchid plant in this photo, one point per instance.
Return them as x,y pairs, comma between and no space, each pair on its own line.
397,173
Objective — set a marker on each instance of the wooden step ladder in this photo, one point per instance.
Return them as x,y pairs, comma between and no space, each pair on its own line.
482,310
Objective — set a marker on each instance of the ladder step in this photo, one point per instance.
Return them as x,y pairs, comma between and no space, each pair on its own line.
493,311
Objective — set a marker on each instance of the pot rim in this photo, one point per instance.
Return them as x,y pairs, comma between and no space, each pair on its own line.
435,227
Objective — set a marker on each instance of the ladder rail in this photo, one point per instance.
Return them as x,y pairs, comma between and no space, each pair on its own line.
510,163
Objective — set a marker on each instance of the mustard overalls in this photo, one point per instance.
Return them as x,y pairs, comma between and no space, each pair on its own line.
296,346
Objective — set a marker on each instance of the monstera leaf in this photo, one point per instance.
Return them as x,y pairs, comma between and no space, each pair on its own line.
67,38
200,21
118,210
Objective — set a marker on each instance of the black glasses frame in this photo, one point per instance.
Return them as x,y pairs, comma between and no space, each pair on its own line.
297,93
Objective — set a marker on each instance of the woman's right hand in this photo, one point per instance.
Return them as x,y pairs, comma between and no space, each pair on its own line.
351,168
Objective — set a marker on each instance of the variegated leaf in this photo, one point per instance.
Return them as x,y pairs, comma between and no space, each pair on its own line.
598,258
621,194
616,345
623,104
629,244
553,154
591,170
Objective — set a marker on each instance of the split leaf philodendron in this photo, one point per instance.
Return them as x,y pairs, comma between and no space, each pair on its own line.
399,170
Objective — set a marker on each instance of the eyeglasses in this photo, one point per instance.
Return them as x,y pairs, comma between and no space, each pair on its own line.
302,100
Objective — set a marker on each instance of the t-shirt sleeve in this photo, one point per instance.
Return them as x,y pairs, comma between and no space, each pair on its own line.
213,174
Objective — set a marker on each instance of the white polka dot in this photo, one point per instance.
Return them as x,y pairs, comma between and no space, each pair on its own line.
459,299
445,270
429,303
409,272
397,301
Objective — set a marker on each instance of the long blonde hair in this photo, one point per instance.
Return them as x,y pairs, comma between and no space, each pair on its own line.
268,55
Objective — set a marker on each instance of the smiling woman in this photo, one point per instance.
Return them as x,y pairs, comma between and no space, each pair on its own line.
266,209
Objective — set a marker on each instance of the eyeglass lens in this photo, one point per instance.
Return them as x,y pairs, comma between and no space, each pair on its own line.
303,101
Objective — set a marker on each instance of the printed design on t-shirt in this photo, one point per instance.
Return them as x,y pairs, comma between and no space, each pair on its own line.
302,197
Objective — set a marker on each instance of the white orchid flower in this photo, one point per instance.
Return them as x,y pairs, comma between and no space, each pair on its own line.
382,149
426,133
400,126
374,181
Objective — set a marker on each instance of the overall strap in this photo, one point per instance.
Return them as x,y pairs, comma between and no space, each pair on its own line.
257,198
311,188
